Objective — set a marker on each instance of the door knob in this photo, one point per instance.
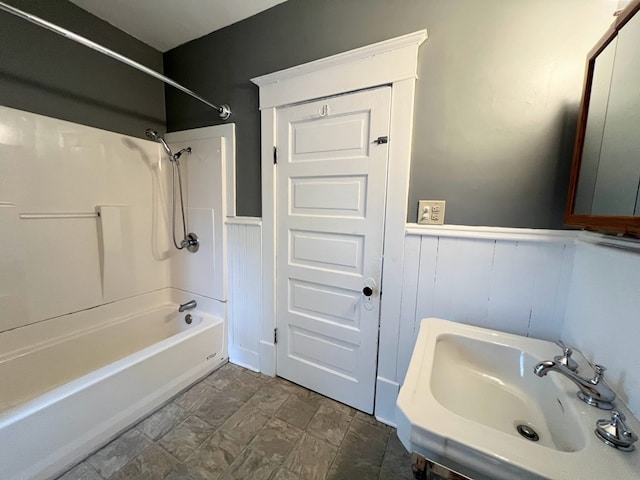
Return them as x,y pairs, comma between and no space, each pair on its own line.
367,291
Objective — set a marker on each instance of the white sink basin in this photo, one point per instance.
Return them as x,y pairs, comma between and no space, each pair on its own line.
494,385
468,389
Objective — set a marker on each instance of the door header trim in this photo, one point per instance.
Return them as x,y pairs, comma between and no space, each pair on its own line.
372,65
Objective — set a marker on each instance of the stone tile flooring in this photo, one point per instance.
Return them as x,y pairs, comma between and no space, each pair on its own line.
237,424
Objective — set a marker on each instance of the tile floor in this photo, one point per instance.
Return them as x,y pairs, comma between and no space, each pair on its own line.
237,424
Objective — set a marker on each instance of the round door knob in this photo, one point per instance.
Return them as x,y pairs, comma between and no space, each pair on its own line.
367,291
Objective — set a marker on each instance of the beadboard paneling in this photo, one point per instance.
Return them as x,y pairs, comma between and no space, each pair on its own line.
244,236
514,280
602,312
492,280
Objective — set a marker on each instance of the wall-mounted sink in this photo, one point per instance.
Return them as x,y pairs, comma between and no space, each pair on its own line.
467,391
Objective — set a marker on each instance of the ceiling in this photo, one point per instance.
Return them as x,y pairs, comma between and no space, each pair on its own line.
165,24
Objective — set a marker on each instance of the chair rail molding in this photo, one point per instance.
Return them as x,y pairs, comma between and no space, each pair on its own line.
492,233
391,62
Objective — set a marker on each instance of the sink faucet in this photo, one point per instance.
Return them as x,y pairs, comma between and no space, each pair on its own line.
592,391
187,306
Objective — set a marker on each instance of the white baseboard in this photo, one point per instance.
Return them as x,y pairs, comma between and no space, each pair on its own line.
244,358
386,396
267,358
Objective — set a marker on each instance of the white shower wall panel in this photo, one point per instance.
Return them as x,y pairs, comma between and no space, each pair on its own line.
207,175
61,275
13,297
50,166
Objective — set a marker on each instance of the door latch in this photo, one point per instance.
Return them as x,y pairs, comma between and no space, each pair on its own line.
367,292
381,140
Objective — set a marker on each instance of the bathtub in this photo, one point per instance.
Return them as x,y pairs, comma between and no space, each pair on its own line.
63,395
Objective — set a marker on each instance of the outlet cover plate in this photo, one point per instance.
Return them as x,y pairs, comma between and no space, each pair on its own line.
431,212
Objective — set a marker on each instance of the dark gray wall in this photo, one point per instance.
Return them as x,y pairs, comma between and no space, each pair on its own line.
500,82
47,74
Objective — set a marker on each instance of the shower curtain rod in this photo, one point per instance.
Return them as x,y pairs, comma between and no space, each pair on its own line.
223,110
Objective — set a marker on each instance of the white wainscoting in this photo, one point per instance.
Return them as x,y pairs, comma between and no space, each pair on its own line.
602,317
508,281
244,264
513,280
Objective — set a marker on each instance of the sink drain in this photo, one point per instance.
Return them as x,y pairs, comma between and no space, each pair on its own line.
527,432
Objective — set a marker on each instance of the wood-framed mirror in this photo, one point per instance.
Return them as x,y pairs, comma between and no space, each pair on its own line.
604,188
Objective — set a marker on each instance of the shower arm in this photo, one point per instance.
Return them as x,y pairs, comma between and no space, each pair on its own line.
223,110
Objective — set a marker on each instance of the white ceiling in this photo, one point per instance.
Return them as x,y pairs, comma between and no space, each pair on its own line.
165,24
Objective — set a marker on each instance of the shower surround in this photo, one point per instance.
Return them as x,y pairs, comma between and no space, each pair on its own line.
90,337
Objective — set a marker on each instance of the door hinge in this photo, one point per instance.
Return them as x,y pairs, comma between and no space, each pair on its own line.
275,155
275,335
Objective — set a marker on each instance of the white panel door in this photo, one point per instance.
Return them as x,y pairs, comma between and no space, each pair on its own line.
331,180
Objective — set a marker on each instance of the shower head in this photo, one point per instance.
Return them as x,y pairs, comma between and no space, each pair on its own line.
153,135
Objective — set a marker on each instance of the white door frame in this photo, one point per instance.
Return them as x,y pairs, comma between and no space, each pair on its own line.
391,62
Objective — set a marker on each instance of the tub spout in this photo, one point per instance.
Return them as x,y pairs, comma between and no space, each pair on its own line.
187,306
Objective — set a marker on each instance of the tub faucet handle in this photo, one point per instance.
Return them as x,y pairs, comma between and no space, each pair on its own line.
565,359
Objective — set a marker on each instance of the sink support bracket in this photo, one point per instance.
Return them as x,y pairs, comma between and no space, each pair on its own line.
424,469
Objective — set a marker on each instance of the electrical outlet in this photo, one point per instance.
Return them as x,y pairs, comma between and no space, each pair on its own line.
431,212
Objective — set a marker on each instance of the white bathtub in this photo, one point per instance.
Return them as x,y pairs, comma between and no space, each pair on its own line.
64,395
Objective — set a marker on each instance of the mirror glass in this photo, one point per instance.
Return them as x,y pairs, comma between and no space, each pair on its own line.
609,177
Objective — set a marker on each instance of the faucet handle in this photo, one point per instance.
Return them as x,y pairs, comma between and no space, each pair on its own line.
615,433
599,375
565,359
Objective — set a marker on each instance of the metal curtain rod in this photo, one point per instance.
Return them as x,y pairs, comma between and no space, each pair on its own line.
223,110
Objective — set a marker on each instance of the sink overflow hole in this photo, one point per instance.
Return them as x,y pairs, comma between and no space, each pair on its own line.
527,432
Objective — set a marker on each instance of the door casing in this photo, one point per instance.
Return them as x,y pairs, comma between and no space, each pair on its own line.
391,62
